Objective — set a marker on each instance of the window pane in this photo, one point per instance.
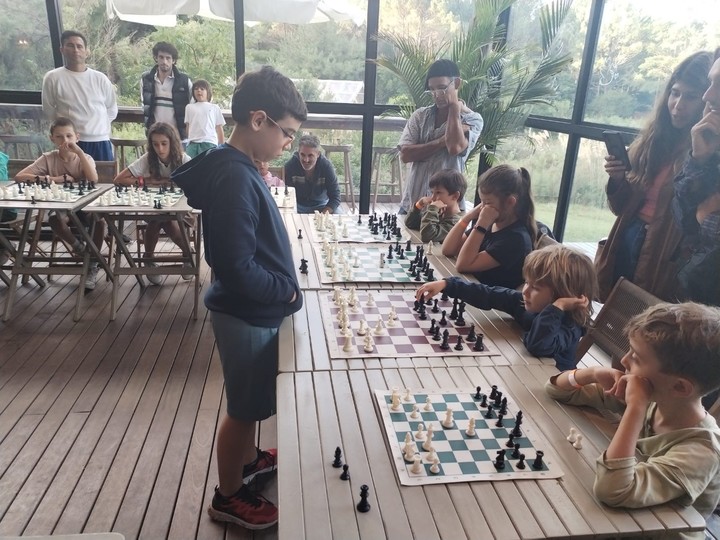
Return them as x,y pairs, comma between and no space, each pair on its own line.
589,218
326,59
26,48
641,41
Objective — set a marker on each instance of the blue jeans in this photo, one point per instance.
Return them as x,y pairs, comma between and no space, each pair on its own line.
628,254
100,150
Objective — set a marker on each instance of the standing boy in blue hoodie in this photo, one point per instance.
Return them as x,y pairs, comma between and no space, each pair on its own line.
255,286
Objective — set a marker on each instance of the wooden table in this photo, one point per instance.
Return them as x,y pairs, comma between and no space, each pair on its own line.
116,216
318,411
35,263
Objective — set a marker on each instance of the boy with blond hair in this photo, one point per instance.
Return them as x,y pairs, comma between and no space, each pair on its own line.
666,447
435,215
553,308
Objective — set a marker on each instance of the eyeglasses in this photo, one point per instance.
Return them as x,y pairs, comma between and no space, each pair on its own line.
286,133
441,91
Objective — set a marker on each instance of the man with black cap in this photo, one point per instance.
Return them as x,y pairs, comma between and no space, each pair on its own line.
439,136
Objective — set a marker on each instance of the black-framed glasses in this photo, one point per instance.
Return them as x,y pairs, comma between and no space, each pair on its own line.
286,133
441,91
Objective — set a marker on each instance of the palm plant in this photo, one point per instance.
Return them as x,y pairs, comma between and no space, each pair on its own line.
499,80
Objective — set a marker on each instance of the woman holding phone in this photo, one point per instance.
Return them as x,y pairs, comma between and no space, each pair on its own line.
642,245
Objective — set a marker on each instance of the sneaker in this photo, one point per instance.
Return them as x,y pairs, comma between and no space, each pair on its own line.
244,508
190,275
78,248
91,278
155,279
265,463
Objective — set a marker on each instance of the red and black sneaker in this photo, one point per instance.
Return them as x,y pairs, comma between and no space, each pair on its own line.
265,463
244,508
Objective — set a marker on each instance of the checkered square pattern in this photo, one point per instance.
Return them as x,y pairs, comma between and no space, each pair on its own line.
344,228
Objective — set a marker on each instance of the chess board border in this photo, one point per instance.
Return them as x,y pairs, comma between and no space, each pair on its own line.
176,197
318,238
402,468
335,342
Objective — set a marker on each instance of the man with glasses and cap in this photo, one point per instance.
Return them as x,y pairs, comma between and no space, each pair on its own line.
439,136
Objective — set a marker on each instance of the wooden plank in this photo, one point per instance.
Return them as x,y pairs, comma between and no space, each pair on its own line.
290,492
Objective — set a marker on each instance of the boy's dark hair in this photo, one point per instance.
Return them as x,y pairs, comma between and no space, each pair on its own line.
267,90
164,46
67,34
450,179
442,68
504,181
176,149
61,121
685,338
202,83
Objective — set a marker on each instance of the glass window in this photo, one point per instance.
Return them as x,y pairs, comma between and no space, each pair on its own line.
26,48
524,33
641,41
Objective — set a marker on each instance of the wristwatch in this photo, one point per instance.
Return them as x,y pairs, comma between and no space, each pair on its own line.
481,229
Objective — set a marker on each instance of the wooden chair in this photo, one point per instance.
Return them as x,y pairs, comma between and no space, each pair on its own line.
24,146
106,171
396,172
17,165
346,176
624,302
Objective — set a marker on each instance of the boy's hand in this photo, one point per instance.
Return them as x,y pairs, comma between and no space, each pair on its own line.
614,168
705,135
74,148
427,291
438,204
423,202
632,389
571,303
606,377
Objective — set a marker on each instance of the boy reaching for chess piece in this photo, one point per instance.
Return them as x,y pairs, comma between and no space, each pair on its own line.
553,307
435,215
666,446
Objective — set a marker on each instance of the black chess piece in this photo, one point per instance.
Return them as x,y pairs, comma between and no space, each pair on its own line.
359,221
445,345
422,310
516,452
300,234
276,191
337,462
416,305
363,505
443,320
503,405
389,253
408,245
493,391
521,464
517,431
479,346
454,311
401,255
432,327
472,336
435,308
489,413
444,297
460,321
484,402
499,422
537,464
500,460
510,442
459,345
32,200
80,192
436,335
477,393
345,475
498,398
303,266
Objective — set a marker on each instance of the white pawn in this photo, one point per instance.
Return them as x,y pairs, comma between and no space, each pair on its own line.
356,262
420,433
379,328
572,437
363,328
409,450
370,300
415,412
578,442
428,404
417,467
396,406
369,344
431,455
429,250
390,321
435,467
348,347
470,431
448,422
407,396
427,445
335,276
393,313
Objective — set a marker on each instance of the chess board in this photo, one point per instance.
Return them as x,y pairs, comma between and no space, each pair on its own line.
281,199
55,193
138,198
363,262
345,228
408,338
461,458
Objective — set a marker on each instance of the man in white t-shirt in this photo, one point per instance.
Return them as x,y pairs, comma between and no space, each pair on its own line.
84,95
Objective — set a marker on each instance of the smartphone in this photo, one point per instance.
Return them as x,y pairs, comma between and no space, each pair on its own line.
616,147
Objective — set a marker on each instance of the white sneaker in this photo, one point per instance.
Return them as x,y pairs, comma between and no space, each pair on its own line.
187,276
91,279
155,279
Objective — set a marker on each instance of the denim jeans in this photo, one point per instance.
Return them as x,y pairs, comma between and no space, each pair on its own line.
628,254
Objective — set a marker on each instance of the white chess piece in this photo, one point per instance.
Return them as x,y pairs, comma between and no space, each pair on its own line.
390,321
431,455
578,442
428,404
420,433
370,300
429,434
417,467
435,467
448,422
396,406
415,412
408,395
382,260
379,328
470,431
356,262
393,313
572,437
363,328
348,347
409,450
429,250
369,344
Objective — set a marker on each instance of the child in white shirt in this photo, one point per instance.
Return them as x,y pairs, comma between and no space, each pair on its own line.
203,120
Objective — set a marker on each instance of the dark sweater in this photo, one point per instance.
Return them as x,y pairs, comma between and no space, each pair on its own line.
552,332
246,243
322,187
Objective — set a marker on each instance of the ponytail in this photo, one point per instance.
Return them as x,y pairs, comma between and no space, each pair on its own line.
526,206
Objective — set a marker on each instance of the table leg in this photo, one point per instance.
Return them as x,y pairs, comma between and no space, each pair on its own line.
17,267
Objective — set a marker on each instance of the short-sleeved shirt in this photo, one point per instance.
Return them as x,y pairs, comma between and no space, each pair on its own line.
509,247
203,118
51,164
141,167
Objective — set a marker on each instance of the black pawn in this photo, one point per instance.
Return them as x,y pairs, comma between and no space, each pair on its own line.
276,190
435,308
472,336
500,460
443,320
460,321
444,297
422,312
303,266
287,192
459,344
300,234
503,405
521,464
345,475
499,422
537,464
32,200
510,442
477,393
516,453
408,246
436,335
484,402
433,326
489,414
479,347
359,221
159,206
498,398
445,345
389,253
337,462
363,505
454,311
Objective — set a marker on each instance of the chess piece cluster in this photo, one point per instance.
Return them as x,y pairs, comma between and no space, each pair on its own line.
363,505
